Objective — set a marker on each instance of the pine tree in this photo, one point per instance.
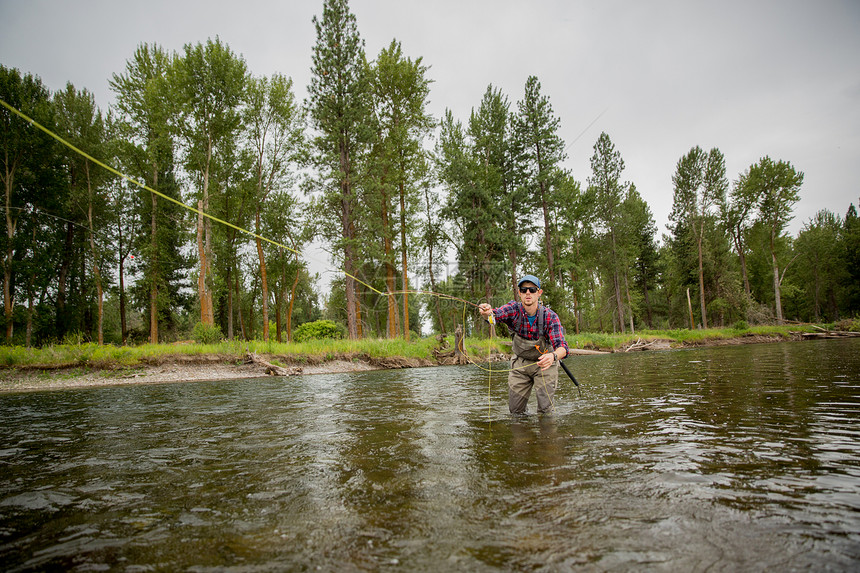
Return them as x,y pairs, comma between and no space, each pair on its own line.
610,192
340,107
542,151
400,92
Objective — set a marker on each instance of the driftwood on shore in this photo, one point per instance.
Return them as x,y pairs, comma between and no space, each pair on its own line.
447,355
272,369
828,334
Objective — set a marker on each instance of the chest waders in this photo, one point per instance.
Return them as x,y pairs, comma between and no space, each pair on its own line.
525,373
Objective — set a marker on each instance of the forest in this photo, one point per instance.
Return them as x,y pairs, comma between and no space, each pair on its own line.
227,179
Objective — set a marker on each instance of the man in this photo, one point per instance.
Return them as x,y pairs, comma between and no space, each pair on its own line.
538,346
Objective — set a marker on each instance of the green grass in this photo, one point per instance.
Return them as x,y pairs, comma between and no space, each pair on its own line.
90,355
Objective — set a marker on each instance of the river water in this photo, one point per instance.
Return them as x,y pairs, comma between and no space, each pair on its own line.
717,459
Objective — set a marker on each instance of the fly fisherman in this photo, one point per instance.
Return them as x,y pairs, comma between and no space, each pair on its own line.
538,346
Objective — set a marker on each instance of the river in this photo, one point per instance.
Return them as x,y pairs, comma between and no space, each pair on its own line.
713,459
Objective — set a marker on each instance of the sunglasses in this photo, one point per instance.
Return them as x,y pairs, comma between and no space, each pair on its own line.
532,290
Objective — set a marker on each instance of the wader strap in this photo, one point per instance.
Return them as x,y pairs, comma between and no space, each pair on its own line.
525,348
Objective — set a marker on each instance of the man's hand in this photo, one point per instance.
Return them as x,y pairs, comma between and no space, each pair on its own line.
546,360
485,309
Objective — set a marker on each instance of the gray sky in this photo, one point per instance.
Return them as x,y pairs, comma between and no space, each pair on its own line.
753,78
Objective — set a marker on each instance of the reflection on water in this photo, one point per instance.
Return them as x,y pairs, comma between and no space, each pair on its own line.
723,458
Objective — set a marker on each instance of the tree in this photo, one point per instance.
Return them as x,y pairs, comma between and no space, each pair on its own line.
339,94
80,122
640,230
777,184
575,212
700,186
851,240
737,215
276,137
609,193
146,106
820,245
476,168
210,81
28,165
400,90
542,151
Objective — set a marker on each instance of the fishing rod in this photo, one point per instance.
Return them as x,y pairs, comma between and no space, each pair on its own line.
570,375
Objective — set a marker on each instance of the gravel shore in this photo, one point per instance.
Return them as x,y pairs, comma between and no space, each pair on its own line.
18,380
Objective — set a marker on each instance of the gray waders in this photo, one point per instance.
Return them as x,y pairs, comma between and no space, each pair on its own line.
525,373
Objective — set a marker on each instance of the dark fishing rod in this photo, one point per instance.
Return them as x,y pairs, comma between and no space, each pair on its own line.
570,375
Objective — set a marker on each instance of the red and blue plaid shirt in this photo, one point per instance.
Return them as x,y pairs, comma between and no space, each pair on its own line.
514,315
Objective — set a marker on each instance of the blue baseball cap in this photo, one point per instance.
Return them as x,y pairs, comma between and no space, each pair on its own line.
529,279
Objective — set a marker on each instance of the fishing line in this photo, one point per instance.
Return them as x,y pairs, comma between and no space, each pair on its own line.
586,128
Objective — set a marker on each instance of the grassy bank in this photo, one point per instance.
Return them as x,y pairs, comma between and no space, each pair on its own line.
109,356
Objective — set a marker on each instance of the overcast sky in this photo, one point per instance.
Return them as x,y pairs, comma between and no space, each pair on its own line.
778,78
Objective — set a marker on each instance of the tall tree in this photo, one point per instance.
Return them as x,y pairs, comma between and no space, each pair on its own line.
146,108
210,80
536,130
28,165
400,92
851,240
275,134
822,248
700,186
777,184
80,122
610,193
339,94
640,233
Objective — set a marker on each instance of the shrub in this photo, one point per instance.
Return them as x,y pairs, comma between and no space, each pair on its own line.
205,334
318,329
742,325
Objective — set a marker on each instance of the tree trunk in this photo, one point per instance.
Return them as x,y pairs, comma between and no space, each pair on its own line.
389,266
776,281
648,315
279,301
30,308
62,281
241,316
550,259
617,284
431,241
348,229
264,280
690,308
292,299
204,248
122,254
405,279
629,302
96,272
153,284
201,253
11,223
702,277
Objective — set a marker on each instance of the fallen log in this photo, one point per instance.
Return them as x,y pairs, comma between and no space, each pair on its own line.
828,335
272,369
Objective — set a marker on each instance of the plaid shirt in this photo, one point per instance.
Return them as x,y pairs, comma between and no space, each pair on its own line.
514,315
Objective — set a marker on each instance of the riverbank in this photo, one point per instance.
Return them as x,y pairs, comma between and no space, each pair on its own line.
88,365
